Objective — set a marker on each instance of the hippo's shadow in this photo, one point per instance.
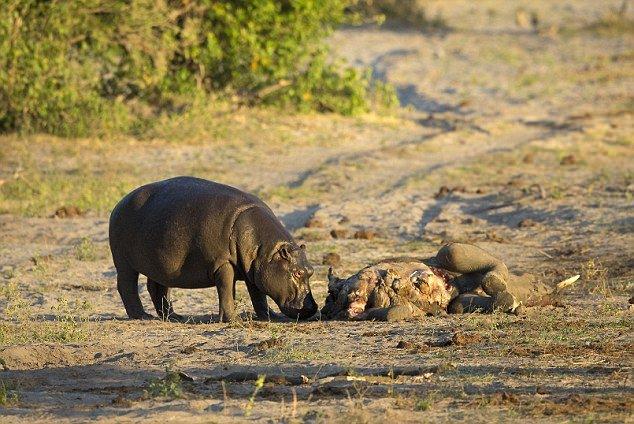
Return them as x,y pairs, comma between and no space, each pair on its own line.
297,218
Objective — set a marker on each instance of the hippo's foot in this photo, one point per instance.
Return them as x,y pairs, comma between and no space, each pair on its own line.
270,315
174,317
230,318
493,283
504,302
143,316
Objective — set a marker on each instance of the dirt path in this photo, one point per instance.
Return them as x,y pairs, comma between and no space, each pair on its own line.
515,139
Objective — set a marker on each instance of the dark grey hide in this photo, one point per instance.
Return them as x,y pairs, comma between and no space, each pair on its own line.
192,233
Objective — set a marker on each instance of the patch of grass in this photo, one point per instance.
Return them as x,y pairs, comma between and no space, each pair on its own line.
9,394
613,24
257,386
595,277
526,80
8,273
9,291
42,193
170,386
85,250
67,326
422,405
288,351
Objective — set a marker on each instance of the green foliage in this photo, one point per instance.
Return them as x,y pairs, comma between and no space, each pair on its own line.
85,250
169,386
8,394
257,386
99,66
68,325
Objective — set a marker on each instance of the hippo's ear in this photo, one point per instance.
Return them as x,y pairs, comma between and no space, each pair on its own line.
302,246
286,251
332,278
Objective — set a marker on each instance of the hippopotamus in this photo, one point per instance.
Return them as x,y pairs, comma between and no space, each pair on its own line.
461,278
193,233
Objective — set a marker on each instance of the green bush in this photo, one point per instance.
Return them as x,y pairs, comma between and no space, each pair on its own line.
85,66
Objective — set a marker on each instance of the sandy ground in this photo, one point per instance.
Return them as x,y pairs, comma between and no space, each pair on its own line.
529,132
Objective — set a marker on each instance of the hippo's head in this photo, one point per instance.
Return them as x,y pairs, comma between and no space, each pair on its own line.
285,279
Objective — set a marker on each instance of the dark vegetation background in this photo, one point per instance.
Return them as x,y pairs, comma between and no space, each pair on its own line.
83,67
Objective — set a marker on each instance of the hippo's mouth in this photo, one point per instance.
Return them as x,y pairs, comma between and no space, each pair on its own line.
307,309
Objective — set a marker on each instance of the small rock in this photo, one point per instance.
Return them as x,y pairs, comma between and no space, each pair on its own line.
365,234
462,339
67,212
339,233
269,343
344,220
331,259
7,272
189,350
314,222
468,221
568,160
542,390
185,377
121,402
412,347
216,407
442,192
311,235
404,344
493,236
38,260
526,222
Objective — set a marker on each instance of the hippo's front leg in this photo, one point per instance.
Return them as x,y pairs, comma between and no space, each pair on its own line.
223,278
260,304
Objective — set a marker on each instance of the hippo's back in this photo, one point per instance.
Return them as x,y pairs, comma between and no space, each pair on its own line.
176,231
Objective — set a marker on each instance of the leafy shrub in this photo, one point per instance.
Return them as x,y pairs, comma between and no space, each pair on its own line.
85,66
169,386
8,394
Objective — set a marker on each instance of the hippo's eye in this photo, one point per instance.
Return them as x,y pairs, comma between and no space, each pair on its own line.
298,273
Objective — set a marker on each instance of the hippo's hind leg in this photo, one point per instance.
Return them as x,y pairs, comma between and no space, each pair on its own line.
471,260
161,298
128,288
225,284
